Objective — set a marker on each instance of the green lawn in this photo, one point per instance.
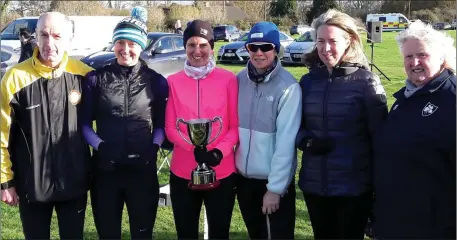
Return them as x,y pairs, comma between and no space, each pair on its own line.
386,57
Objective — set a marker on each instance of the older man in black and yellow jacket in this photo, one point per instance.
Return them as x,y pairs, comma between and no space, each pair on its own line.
44,159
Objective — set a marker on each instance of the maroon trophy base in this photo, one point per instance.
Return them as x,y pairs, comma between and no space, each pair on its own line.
203,187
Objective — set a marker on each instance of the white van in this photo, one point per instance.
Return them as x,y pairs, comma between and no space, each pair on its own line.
91,33
390,21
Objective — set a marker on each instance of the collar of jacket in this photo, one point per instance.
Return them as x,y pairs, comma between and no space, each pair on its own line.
272,75
117,69
430,87
340,70
45,71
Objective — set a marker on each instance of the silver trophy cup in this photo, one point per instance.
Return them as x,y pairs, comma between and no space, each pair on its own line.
199,131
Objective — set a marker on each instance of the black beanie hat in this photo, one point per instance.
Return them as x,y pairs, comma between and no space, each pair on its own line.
199,28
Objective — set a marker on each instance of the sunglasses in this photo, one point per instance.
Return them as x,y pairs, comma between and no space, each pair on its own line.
265,47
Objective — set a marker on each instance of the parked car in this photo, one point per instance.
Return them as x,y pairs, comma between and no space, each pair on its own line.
298,29
439,26
226,33
164,53
9,58
236,52
293,53
454,24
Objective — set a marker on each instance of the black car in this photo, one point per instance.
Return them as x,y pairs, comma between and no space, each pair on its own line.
226,33
164,53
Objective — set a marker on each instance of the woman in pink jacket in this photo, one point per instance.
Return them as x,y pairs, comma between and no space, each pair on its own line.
202,90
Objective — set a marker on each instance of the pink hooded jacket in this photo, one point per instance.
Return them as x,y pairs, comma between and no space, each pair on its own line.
218,97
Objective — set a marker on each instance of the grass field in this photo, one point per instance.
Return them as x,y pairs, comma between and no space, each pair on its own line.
386,57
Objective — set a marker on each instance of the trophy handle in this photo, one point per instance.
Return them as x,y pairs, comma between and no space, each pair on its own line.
220,128
180,120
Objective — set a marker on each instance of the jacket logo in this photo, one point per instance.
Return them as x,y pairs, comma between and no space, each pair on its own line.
33,106
429,109
74,97
269,98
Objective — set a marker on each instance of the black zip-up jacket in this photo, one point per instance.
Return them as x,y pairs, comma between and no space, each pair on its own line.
348,107
127,107
415,164
43,153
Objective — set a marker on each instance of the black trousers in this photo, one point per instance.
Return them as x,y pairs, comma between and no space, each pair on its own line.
187,205
250,194
36,218
138,188
339,217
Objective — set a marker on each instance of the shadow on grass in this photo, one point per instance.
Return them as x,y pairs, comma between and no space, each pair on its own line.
243,235
126,235
170,235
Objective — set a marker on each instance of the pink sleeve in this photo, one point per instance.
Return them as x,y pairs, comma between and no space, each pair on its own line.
170,123
231,137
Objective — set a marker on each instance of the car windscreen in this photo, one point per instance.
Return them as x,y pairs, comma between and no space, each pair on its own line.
244,37
11,32
219,29
306,37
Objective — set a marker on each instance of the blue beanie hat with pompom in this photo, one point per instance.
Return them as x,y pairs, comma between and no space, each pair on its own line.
133,28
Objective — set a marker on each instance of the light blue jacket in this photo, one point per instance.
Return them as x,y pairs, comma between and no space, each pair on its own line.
269,120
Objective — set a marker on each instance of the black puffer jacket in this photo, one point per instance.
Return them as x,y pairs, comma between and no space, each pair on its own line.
126,108
346,106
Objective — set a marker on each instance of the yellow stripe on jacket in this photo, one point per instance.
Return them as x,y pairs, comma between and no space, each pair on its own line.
15,79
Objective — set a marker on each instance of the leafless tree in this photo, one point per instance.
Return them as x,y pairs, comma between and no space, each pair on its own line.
256,10
360,8
30,8
303,8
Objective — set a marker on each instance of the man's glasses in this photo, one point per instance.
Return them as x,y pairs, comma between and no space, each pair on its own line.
264,47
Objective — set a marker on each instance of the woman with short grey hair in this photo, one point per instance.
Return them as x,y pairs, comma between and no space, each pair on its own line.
415,150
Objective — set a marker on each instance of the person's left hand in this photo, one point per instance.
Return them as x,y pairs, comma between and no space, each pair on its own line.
270,202
213,157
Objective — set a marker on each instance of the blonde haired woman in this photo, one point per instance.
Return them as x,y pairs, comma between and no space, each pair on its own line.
343,106
415,160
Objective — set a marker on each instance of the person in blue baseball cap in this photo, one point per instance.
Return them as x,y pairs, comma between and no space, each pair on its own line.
127,101
269,110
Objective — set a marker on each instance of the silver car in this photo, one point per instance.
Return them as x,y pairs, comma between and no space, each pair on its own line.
293,53
9,58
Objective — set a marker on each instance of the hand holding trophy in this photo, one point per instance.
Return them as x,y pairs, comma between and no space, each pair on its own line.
203,177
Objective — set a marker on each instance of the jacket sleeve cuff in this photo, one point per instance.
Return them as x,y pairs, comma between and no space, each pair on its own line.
276,189
8,184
